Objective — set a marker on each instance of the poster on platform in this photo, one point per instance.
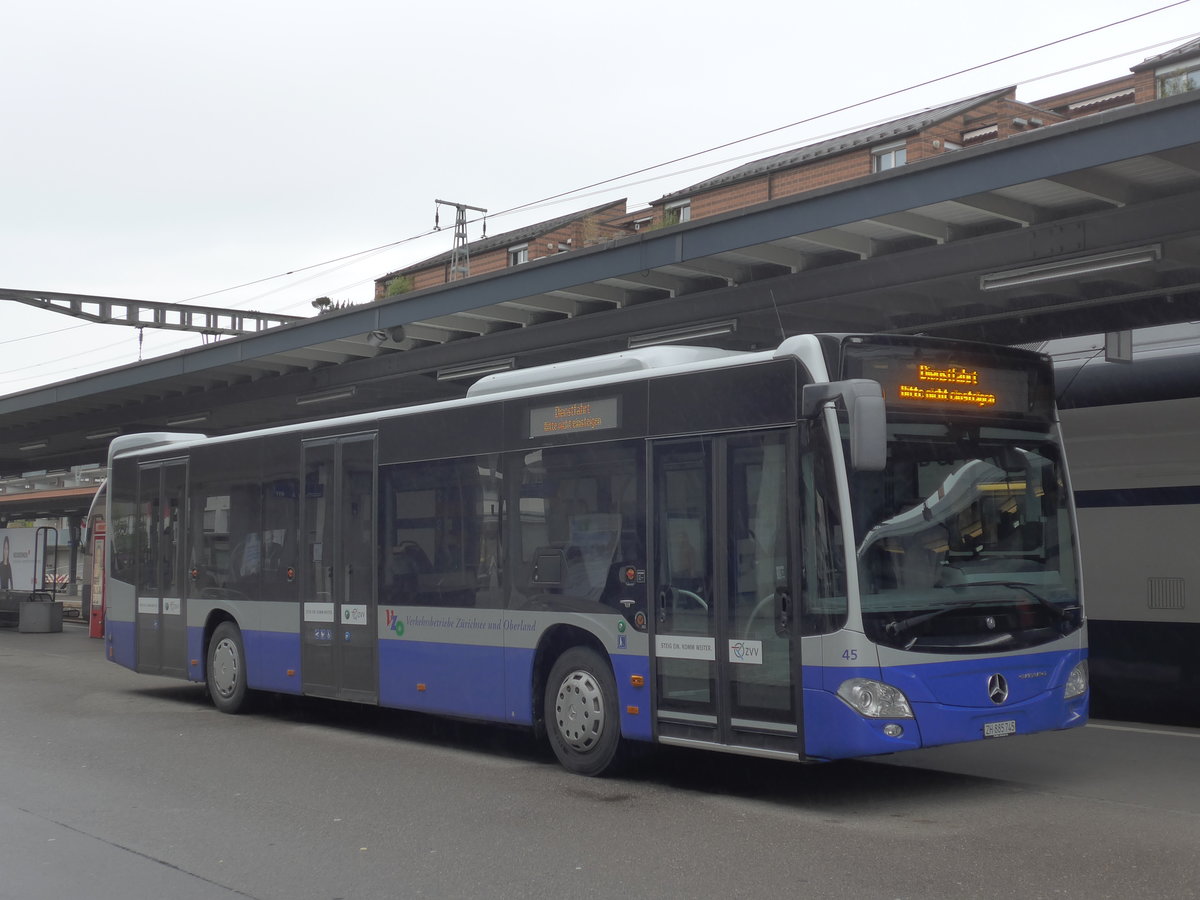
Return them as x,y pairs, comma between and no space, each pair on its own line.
17,558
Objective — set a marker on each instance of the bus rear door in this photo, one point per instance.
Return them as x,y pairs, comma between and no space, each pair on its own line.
161,585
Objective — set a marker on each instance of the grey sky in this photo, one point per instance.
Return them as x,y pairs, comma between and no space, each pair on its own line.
163,151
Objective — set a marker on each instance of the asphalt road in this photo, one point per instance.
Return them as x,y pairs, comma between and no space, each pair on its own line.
117,785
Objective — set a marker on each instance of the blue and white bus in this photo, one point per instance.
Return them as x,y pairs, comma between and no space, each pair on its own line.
845,546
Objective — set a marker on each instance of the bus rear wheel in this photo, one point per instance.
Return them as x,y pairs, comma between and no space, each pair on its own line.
582,721
225,673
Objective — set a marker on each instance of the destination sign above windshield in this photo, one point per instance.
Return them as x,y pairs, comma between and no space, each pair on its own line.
952,384
944,379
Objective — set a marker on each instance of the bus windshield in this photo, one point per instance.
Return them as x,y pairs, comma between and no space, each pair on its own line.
964,541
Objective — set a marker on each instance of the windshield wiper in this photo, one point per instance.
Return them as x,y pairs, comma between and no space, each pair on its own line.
1061,613
895,629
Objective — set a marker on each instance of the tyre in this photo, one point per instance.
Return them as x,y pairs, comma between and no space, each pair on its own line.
583,723
225,673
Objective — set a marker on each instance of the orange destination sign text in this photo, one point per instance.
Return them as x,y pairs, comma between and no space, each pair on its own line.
950,384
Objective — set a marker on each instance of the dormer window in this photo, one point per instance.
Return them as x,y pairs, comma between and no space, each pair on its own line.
889,156
518,254
1180,80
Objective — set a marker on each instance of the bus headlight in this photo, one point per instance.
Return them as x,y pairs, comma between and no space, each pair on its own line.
875,699
1077,681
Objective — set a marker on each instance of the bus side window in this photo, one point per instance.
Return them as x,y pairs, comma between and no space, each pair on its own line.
439,533
580,523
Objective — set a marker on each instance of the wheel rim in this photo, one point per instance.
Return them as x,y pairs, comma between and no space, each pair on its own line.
225,667
579,710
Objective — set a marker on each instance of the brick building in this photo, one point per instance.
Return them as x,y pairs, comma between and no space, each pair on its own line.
968,122
931,132
489,254
1168,73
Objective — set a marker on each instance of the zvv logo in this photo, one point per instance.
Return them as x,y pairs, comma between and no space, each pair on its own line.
395,623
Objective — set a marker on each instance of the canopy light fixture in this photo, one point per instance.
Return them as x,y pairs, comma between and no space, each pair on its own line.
475,370
197,419
34,445
679,335
1070,268
103,435
344,393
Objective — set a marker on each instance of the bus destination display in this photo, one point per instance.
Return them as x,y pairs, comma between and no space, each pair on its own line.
944,382
572,418
950,384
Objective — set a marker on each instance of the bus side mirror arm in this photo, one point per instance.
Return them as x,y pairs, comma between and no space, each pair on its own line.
863,399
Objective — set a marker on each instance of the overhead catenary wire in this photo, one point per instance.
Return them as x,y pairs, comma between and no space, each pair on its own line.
593,188
323,269
580,191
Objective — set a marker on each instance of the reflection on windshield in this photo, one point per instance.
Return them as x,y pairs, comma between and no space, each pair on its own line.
964,542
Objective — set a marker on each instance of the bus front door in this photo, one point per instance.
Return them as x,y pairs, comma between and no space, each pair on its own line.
161,586
338,633
725,661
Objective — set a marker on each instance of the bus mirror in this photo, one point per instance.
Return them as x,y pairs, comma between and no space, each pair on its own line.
863,399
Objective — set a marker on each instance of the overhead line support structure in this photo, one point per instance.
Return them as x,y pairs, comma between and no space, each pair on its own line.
209,320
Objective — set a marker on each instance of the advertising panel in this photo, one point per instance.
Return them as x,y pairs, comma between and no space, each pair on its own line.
17,559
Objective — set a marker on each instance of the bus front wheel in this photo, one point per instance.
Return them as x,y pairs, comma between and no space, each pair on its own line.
582,719
225,674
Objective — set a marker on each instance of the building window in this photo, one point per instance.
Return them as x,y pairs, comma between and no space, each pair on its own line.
1178,81
518,254
889,156
675,213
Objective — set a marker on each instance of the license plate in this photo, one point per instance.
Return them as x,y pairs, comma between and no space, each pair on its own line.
999,729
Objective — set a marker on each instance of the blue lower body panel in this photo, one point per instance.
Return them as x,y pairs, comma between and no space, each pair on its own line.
479,682
270,655
453,679
491,683
121,640
950,703
832,730
634,701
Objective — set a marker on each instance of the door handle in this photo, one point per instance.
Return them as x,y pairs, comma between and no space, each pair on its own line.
783,611
666,597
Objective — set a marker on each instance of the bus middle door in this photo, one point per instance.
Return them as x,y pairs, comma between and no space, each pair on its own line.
161,588
339,634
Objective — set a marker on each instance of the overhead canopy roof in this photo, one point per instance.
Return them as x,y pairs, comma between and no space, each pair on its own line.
920,248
